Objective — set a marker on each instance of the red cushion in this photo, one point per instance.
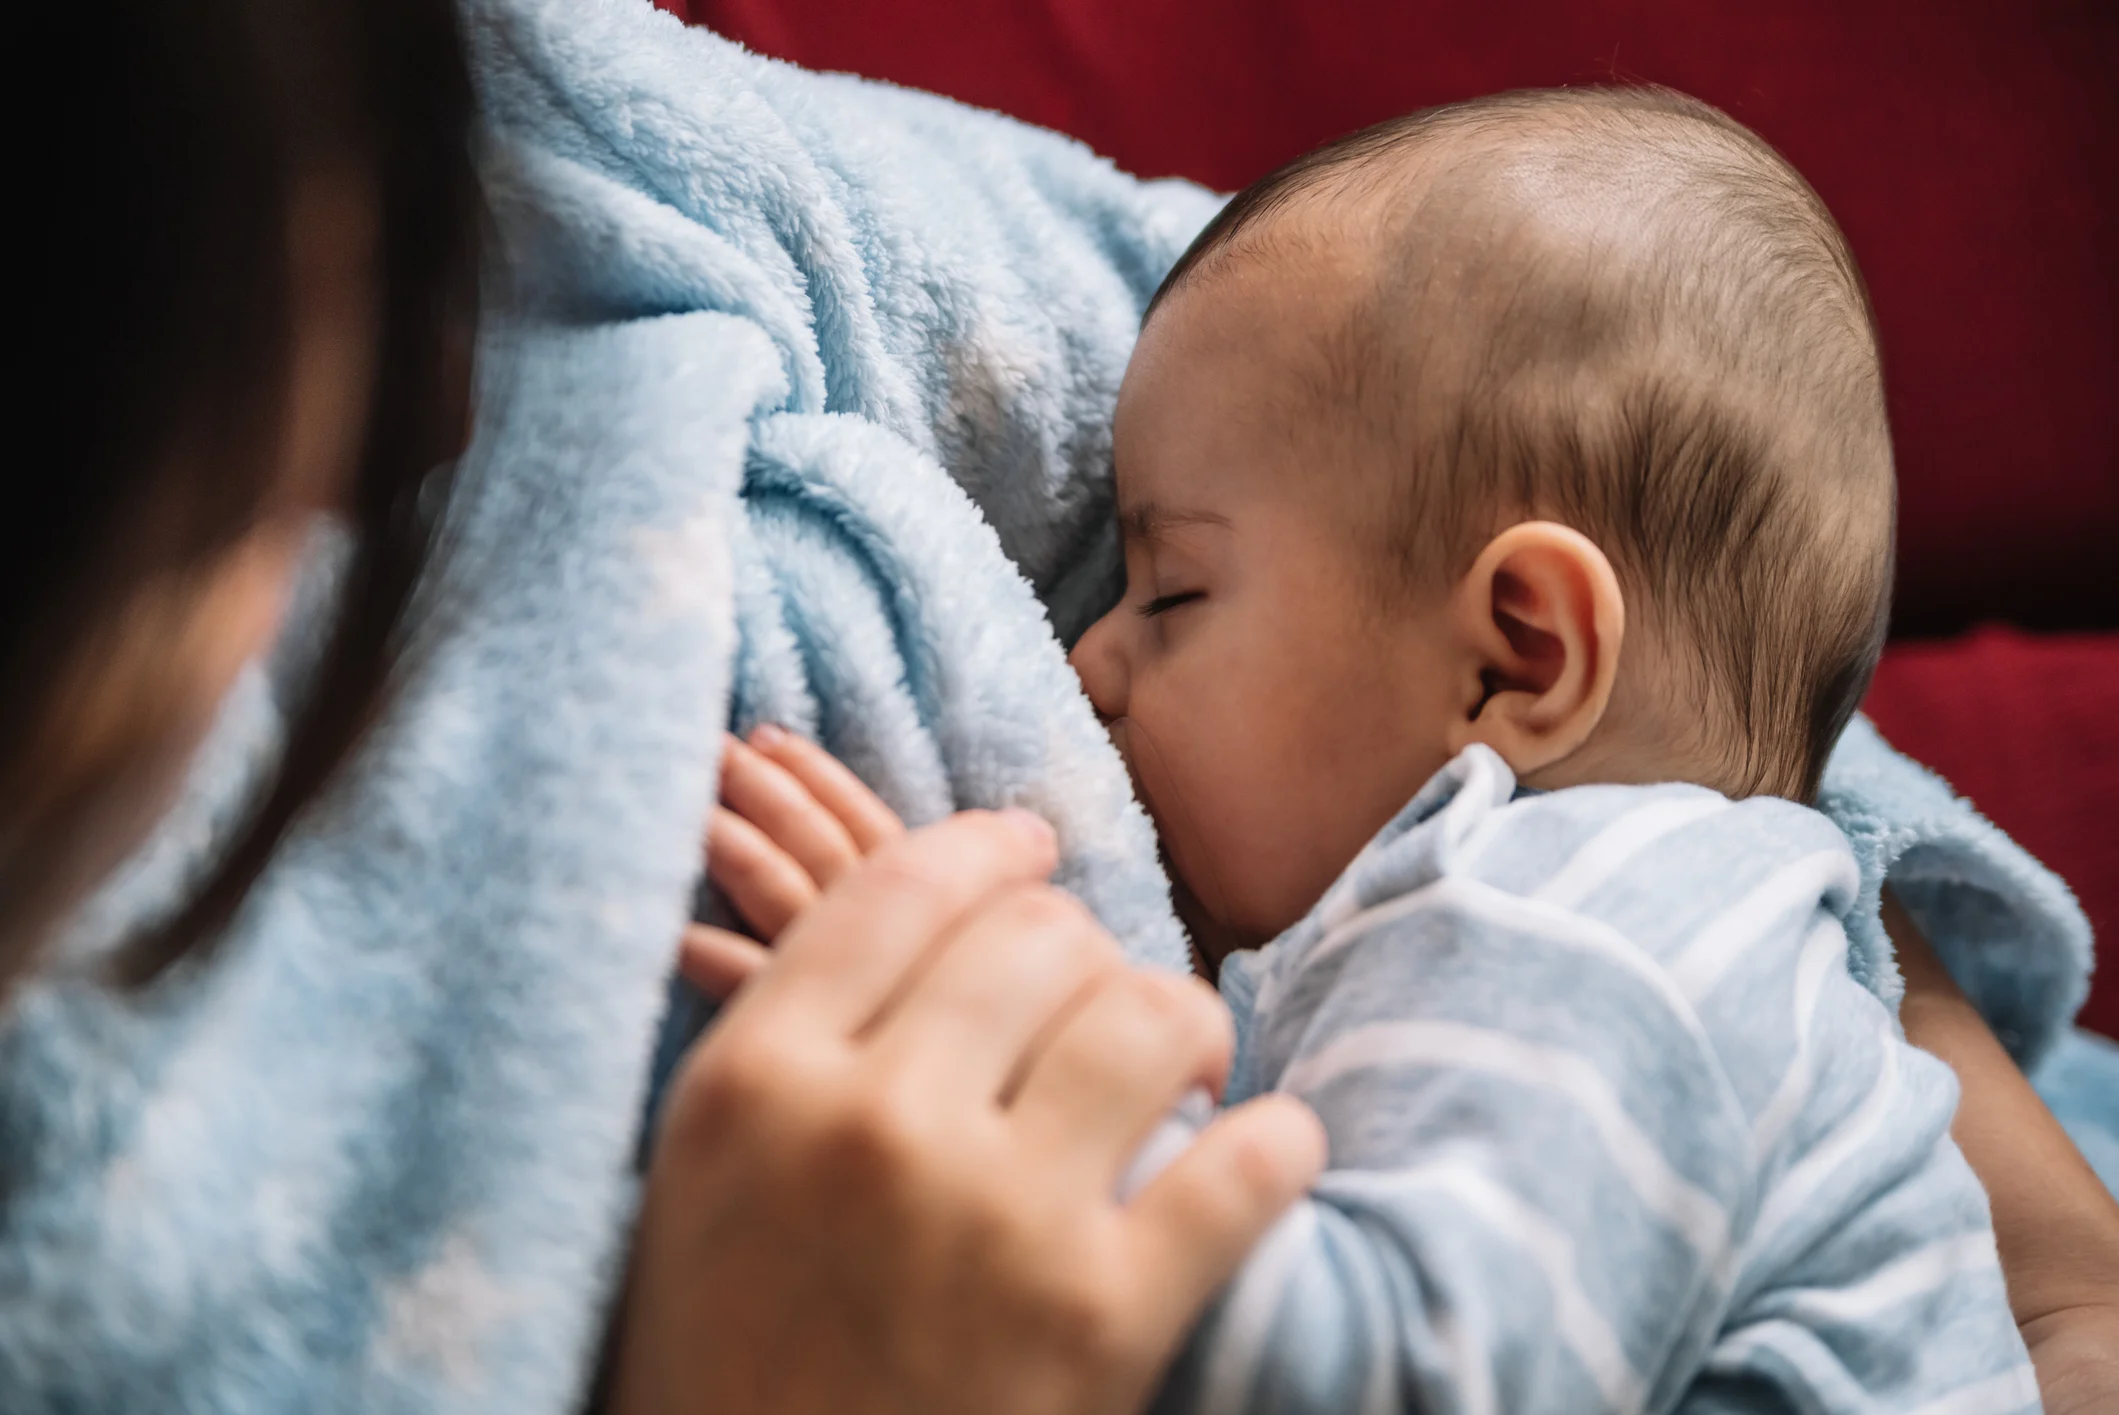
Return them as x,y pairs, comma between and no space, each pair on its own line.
1969,149
2028,727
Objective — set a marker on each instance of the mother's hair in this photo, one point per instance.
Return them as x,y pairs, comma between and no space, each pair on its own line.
160,328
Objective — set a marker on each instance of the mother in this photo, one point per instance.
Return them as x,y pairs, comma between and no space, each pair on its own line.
262,297
260,301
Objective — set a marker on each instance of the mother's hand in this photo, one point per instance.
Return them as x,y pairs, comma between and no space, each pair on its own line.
2054,1222
885,1181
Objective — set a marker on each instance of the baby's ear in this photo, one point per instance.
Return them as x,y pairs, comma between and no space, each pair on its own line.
1540,619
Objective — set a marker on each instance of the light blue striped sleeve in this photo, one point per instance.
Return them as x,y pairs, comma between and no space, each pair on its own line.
1569,1174
1869,1279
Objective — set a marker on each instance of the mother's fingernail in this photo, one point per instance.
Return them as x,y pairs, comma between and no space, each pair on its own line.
765,734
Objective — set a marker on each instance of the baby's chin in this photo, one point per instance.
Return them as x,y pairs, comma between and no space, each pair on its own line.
1212,937
1212,934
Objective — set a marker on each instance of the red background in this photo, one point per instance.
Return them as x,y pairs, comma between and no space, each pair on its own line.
1971,151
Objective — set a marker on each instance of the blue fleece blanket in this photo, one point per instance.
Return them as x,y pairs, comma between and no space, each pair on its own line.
795,402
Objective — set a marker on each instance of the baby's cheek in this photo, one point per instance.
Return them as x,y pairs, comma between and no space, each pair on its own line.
1244,838
1185,802
1207,761
1287,832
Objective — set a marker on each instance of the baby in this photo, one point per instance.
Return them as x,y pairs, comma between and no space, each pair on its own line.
1506,499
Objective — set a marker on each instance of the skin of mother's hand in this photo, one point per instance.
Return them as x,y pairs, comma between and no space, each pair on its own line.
2054,1221
886,1180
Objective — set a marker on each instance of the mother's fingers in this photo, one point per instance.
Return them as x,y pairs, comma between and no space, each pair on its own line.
1007,975
1116,1067
1193,1223
851,953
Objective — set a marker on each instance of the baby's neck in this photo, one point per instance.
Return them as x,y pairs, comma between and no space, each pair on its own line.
1630,750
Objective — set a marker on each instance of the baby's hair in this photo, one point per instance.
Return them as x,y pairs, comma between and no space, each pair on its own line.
1620,309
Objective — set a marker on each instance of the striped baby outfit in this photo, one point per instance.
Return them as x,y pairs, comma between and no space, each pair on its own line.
1612,1129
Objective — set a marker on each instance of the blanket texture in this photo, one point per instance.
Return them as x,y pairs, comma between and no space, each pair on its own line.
822,359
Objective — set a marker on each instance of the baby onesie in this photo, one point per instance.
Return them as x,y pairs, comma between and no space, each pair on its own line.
1612,1129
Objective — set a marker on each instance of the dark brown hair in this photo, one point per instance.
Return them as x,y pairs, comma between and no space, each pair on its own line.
1689,375
161,324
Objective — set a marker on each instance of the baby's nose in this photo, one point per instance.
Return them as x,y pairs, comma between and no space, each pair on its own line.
1100,666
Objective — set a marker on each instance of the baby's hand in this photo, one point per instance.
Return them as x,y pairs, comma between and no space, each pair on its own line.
790,822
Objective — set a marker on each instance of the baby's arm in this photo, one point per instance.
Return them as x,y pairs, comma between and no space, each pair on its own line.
1871,1278
1546,1192
1537,1180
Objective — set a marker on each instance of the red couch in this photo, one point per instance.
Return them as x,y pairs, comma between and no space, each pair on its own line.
1970,150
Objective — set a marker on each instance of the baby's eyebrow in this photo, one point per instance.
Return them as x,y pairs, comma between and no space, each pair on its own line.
1149,521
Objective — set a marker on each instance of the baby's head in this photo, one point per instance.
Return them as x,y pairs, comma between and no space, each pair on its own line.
1551,421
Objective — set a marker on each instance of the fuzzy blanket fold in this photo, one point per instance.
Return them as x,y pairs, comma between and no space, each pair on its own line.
371,1159
796,394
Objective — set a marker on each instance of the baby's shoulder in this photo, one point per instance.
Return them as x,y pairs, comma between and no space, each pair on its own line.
1664,861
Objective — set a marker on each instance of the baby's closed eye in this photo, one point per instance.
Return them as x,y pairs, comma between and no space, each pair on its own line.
1164,603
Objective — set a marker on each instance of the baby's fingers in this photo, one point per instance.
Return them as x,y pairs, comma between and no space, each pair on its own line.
863,814
762,882
768,796
716,961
